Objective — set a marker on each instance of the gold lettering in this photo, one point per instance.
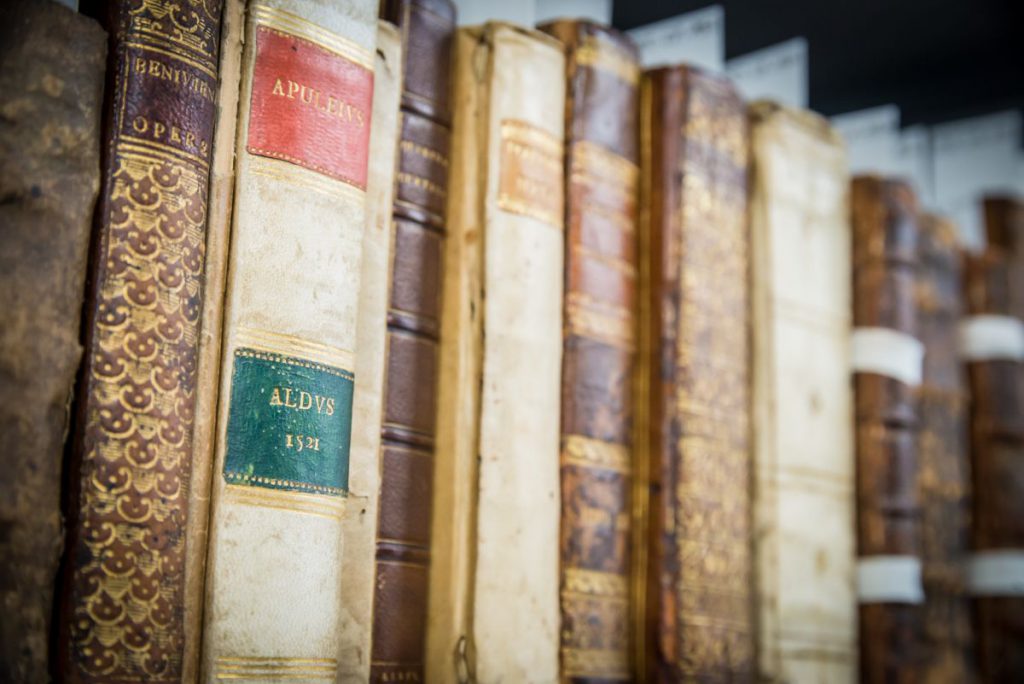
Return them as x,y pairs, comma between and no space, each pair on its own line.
158,129
140,124
175,134
278,88
293,88
330,406
275,398
320,401
288,398
305,400
140,65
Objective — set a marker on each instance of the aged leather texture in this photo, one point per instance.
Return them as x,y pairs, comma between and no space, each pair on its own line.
357,584
123,593
991,286
51,88
803,446
408,425
694,359
601,175
494,606
943,473
885,224
279,514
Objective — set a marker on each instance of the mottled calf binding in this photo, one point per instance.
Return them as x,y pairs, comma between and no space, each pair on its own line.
51,87
992,346
408,425
123,595
601,176
943,474
886,370
694,393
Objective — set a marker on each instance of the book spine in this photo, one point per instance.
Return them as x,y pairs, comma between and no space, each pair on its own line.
51,88
886,363
408,426
992,347
803,447
357,587
943,476
698,600
129,478
282,465
599,341
498,530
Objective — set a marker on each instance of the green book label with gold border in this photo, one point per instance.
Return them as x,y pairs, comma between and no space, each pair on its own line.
289,425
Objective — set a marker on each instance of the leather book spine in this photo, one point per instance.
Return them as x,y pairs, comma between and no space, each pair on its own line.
282,466
601,172
943,475
497,481
992,347
803,444
129,477
358,565
408,426
886,364
51,89
1004,230
694,264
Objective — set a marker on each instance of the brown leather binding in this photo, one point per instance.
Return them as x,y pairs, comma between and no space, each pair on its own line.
694,349
992,284
403,528
51,87
943,475
123,594
600,319
885,242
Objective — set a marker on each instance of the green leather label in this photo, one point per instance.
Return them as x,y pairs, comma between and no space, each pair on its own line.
289,425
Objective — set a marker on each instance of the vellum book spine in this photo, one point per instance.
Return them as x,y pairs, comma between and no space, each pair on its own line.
51,94
123,605
360,527
803,448
601,172
281,469
695,614
495,571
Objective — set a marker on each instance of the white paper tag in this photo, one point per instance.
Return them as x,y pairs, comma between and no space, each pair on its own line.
989,337
777,72
594,10
696,38
887,352
889,579
996,573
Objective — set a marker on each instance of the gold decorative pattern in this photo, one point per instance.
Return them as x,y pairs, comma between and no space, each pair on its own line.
276,669
127,543
297,26
531,179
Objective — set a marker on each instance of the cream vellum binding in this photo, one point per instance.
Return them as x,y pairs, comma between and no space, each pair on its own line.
494,612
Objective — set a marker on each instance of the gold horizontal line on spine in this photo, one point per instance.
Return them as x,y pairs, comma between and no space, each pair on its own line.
275,659
269,669
610,329
318,35
275,676
174,54
287,172
291,345
592,160
595,453
595,583
295,502
166,151
626,268
597,663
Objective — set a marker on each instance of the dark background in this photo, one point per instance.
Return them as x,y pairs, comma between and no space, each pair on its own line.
937,60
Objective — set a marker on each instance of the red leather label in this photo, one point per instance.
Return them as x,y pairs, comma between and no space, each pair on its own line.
310,106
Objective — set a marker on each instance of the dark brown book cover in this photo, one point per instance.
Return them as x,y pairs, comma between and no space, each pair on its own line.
996,381
1004,228
51,88
600,320
695,621
885,243
943,475
410,381
128,478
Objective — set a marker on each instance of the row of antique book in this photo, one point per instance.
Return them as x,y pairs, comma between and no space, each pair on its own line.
420,353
